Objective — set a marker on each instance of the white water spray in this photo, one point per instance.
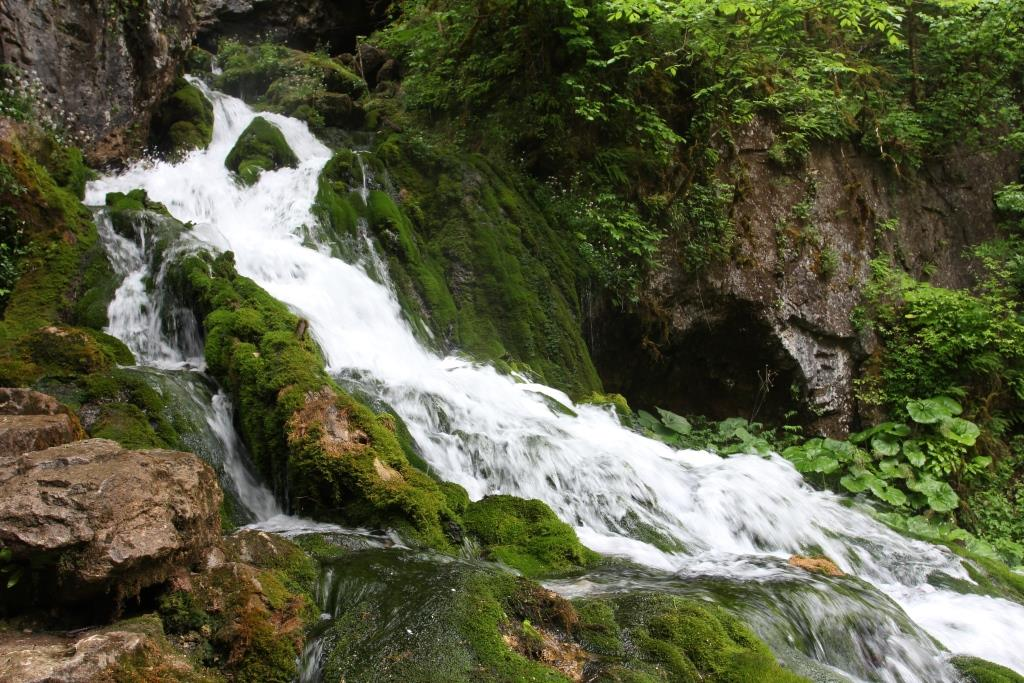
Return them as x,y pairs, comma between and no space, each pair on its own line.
738,518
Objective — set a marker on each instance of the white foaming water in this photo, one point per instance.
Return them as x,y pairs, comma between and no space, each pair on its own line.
731,517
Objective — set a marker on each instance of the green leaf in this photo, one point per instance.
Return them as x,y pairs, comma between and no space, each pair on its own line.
887,493
677,423
647,421
927,411
885,445
951,405
858,483
913,452
960,430
14,578
944,500
941,496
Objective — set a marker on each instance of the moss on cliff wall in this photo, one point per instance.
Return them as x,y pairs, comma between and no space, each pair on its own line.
474,259
64,280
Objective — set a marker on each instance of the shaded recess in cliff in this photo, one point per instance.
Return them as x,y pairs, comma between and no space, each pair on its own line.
309,25
729,363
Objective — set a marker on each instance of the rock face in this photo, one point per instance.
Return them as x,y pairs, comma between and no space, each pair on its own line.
121,520
107,62
770,327
31,421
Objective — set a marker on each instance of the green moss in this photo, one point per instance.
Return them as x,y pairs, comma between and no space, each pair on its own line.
63,272
668,638
66,351
410,618
475,257
290,411
618,402
198,60
248,616
128,425
250,71
526,535
976,670
184,120
261,147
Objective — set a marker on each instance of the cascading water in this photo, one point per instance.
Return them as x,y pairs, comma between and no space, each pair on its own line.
721,521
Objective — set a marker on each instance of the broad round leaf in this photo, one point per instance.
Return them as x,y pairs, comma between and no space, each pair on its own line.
887,493
885,445
927,411
944,499
913,452
677,423
959,430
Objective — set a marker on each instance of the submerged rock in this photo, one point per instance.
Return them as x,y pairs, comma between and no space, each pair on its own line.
31,421
94,518
818,565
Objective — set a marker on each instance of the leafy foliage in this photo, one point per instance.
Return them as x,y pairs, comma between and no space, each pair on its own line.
727,437
908,466
627,105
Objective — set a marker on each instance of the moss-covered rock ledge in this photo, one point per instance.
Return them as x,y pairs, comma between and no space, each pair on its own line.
333,456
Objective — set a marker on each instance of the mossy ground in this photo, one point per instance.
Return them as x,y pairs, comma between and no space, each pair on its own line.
976,670
261,147
526,535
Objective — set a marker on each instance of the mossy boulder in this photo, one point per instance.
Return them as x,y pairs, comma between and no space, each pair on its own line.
526,535
249,71
337,458
649,637
184,120
261,147
64,351
246,615
975,670
199,61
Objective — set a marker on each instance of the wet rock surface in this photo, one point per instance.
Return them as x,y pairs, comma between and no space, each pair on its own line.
43,658
118,520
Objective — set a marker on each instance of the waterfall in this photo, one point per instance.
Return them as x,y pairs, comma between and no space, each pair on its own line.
727,521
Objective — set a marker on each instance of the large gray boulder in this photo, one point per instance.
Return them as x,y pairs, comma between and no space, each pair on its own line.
97,519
